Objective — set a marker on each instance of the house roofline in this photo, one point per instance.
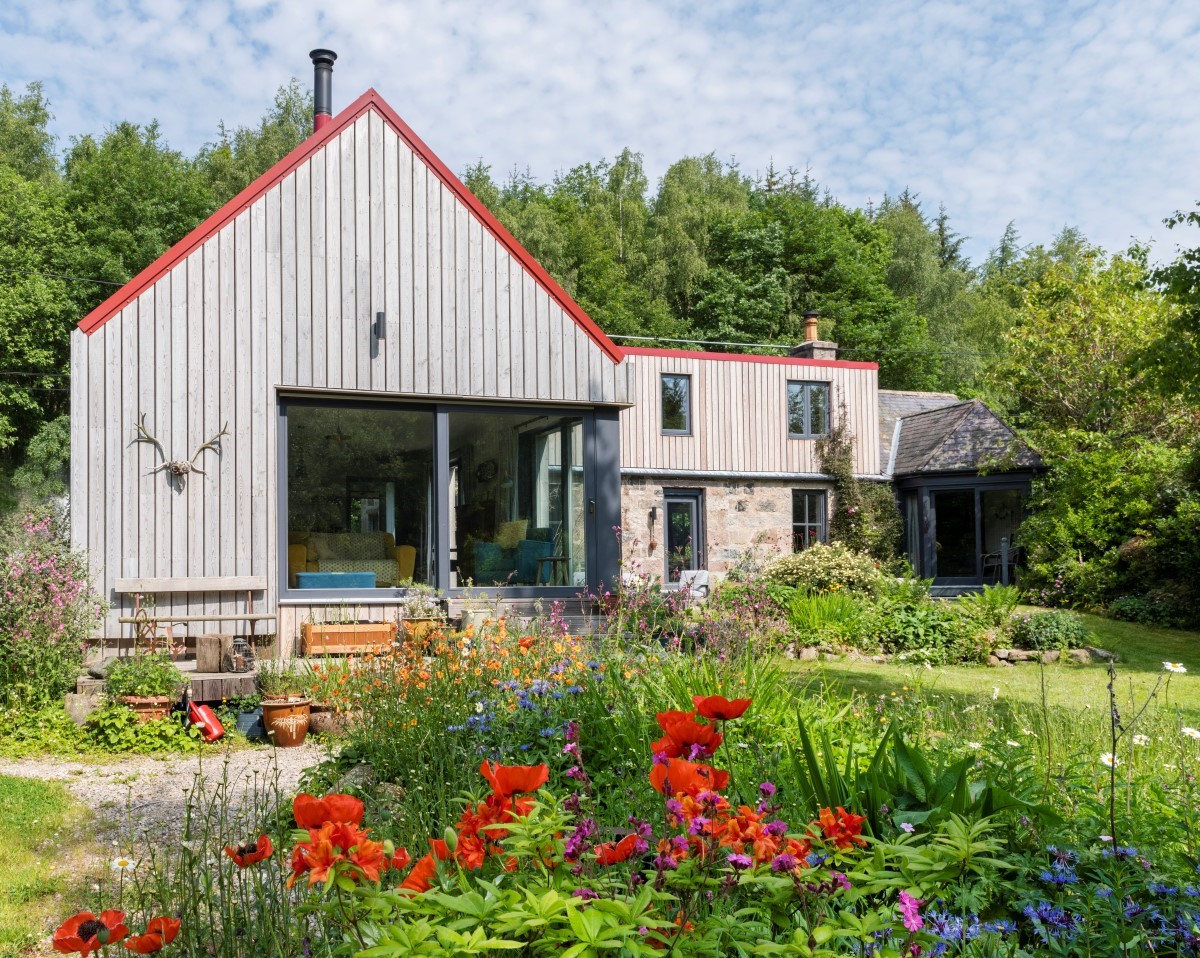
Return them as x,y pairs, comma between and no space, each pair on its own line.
745,358
268,180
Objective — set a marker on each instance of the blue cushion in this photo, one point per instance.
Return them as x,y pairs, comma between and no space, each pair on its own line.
528,553
335,580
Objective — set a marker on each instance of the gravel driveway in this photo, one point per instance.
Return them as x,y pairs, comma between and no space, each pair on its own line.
140,794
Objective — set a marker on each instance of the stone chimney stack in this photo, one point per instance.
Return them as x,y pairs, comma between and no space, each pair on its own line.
812,347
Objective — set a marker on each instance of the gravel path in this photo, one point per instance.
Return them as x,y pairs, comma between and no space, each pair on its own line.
139,794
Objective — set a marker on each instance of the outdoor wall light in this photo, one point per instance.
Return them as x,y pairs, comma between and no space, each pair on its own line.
379,327
653,514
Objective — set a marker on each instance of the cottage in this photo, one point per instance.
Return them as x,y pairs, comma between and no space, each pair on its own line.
352,379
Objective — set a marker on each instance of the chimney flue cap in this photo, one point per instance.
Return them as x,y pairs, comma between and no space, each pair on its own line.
810,324
322,86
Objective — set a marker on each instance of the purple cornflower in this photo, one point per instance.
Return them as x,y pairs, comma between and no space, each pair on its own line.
776,829
767,789
585,893
740,861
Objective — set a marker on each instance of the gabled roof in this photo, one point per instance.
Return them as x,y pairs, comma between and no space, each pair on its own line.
963,437
371,100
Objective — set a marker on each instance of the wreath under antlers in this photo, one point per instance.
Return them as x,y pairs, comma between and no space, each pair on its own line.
178,468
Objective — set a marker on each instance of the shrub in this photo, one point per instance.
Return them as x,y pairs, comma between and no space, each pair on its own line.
833,614
992,607
821,568
1152,610
47,612
1050,629
927,630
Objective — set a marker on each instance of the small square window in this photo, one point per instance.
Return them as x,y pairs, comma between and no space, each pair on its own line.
808,518
676,404
808,410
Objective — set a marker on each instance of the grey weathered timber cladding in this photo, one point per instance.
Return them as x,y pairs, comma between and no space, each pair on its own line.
739,415
283,296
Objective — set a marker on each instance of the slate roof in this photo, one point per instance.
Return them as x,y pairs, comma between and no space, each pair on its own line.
958,437
894,405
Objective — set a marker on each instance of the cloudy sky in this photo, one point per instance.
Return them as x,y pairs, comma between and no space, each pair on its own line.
1047,113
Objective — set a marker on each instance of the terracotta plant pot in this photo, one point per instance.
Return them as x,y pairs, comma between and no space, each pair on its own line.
286,721
148,708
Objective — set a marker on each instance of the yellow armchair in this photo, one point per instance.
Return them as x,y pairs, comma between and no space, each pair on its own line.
406,561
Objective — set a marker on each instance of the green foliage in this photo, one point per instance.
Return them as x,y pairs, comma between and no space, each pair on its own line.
822,567
37,731
923,630
143,675
814,615
1053,629
43,474
26,143
991,607
1173,358
865,516
115,728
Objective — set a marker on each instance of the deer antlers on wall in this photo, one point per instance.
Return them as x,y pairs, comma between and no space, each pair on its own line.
178,469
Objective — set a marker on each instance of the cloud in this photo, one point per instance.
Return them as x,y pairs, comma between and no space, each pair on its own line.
1045,114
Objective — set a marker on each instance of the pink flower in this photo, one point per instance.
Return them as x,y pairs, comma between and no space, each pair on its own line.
910,911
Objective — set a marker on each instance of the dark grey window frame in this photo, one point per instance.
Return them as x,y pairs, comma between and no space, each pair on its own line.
807,385
602,496
695,497
687,405
822,525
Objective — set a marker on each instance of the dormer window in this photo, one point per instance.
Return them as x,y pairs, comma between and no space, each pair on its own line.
808,410
676,404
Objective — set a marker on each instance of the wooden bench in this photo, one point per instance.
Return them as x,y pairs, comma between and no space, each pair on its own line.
144,618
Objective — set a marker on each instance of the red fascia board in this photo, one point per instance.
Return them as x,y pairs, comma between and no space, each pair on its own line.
227,213
744,358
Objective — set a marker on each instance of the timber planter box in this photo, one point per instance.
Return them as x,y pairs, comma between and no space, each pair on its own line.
347,638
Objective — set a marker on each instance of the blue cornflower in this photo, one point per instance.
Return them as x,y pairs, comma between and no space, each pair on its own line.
456,728
525,747
1059,877
1103,892
556,695
528,704
1121,852
1157,888
1050,920
1063,857
1002,926
548,732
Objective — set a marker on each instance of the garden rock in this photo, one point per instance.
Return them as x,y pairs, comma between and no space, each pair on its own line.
361,777
1050,655
80,705
1080,656
1101,655
993,660
99,670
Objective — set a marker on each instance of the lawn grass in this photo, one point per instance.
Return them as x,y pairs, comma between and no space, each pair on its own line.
1142,650
38,841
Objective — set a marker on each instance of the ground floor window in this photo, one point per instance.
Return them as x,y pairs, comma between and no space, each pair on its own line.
684,532
808,518
382,496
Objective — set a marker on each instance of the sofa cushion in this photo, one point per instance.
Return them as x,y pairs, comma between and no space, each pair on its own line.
529,551
384,569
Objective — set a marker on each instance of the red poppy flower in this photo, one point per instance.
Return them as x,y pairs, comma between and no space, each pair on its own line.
311,812
82,932
251,853
526,642
719,708
667,719
159,933
421,877
509,780
687,738
400,858
368,856
613,853
690,777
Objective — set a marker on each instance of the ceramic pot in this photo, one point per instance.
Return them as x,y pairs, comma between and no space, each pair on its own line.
286,721
322,720
148,708
250,723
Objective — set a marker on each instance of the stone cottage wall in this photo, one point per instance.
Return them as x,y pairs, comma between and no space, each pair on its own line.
738,515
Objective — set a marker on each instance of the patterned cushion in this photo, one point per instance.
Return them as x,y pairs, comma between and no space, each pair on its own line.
384,569
510,533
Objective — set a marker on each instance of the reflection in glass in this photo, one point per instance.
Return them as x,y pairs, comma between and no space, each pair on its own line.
359,496
517,490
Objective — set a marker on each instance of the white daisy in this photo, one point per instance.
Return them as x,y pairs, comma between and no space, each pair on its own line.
1190,732
1176,667
1013,744
123,864
1141,740
975,745
1108,760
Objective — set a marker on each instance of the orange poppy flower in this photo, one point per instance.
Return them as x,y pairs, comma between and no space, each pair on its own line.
526,642
251,853
842,828
400,858
81,933
613,853
311,812
685,732
509,780
159,933
369,857
719,708
689,777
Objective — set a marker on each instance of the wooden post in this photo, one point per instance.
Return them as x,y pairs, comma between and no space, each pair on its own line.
210,651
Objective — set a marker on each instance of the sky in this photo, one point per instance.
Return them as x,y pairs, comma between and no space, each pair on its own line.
1047,114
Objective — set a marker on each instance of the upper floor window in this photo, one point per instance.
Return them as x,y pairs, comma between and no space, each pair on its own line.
676,403
808,410
808,518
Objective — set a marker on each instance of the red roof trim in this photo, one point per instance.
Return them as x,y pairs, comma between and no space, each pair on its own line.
743,358
227,213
